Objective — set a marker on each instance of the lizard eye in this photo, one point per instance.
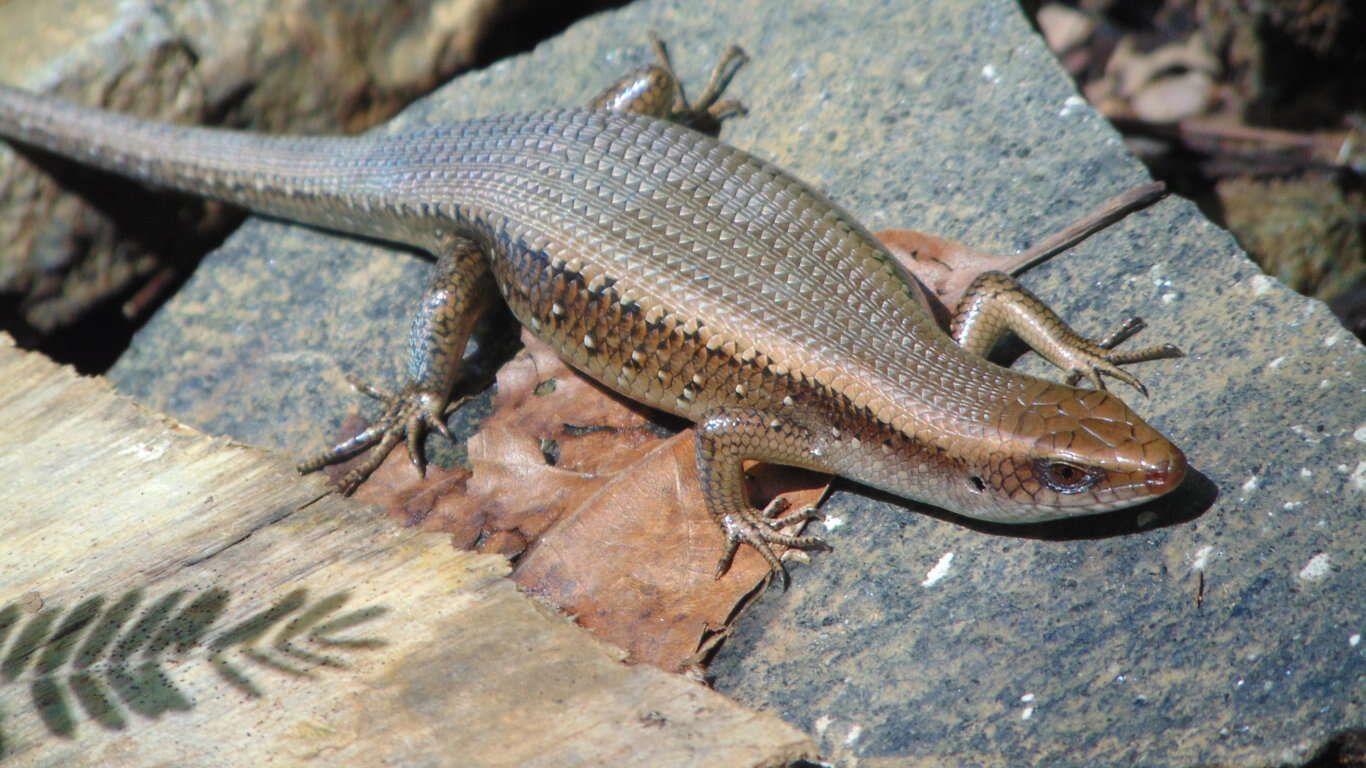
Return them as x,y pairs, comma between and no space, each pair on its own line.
1065,477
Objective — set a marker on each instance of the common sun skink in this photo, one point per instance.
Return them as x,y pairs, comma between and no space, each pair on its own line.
687,275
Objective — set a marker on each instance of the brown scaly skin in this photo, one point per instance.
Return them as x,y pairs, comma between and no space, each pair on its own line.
691,277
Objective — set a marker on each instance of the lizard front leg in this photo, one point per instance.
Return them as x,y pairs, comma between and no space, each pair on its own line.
995,304
725,438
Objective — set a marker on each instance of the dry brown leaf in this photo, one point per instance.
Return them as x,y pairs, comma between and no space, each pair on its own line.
944,267
1174,98
614,531
633,563
1168,84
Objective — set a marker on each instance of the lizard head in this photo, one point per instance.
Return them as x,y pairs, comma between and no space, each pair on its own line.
1068,452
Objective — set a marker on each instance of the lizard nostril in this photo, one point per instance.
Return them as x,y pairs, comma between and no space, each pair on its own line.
1168,475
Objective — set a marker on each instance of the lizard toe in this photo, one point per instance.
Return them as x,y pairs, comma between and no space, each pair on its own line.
408,414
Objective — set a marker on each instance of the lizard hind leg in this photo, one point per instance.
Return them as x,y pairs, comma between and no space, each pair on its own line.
461,289
656,91
995,304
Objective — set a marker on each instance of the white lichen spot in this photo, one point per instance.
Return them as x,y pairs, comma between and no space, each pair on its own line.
1332,339
1309,435
1028,697
990,74
1250,484
1026,713
1274,364
1357,480
1170,297
833,523
1261,284
1071,106
1201,558
1325,384
1359,434
823,722
939,571
1354,640
1306,472
1317,569
1291,506
854,732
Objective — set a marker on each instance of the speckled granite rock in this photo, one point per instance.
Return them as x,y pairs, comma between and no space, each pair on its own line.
1220,627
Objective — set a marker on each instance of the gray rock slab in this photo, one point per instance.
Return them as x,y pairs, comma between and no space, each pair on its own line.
1220,626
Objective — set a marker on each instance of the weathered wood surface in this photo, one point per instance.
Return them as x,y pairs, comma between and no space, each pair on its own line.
172,598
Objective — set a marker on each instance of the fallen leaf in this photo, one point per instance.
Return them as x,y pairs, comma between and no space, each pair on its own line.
601,502
1168,84
943,267
634,561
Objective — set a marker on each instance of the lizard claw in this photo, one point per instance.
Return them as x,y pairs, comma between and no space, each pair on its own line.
758,530
408,414
996,303
779,505
1097,357
1095,366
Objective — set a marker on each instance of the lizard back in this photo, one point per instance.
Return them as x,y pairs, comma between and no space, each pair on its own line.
687,231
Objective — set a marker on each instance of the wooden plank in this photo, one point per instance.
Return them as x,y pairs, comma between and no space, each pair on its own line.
172,598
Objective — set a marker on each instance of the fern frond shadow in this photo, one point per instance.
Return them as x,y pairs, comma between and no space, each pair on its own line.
112,661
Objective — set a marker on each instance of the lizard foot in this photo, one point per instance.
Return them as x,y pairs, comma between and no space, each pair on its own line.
655,90
760,530
708,111
995,303
1094,358
408,413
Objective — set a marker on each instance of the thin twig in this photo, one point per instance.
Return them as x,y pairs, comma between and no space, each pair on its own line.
1108,213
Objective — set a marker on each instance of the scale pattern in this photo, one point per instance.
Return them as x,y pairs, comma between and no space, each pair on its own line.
683,273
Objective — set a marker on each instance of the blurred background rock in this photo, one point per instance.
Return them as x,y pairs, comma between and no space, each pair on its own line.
1253,110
